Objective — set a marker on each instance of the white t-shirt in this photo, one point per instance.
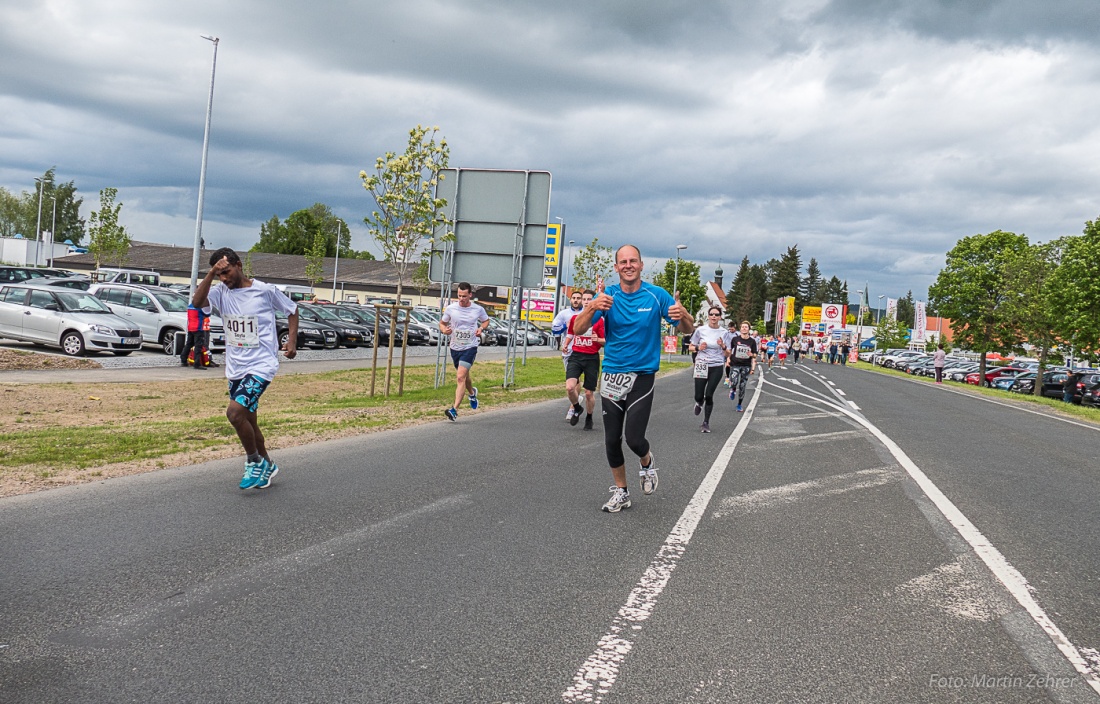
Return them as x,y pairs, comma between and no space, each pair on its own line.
713,355
464,323
251,342
561,322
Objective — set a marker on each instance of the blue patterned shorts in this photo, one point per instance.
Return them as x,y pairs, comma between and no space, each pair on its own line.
247,391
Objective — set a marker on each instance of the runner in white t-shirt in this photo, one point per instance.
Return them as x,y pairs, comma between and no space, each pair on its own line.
711,344
248,309
463,320
560,326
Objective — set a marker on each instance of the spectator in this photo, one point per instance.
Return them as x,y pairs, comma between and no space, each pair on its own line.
1069,386
938,360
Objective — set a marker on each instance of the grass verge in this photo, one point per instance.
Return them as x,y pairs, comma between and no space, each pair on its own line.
1057,406
55,434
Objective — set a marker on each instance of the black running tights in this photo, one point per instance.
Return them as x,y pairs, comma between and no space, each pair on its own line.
627,419
704,389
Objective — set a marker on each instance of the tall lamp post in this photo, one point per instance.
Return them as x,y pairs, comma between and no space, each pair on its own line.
336,266
676,277
53,231
38,227
202,172
859,321
879,309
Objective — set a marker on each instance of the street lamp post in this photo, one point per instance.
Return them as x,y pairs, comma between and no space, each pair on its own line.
38,227
336,266
676,277
53,230
879,309
202,172
859,322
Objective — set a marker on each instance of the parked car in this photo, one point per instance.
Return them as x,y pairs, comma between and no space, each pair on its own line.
316,335
75,321
991,374
890,361
126,276
350,334
73,283
904,365
159,313
19,274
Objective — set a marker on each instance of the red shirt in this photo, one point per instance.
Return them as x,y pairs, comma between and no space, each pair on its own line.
586,343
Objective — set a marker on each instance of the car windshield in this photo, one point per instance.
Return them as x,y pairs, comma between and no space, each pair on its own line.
172,302
324,313
425,317
80,302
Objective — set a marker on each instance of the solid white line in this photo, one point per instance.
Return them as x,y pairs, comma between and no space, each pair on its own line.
1005,573
597,675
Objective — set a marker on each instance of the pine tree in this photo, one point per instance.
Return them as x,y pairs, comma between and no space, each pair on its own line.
811,284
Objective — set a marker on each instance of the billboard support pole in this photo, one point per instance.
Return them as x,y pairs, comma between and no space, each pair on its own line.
517,286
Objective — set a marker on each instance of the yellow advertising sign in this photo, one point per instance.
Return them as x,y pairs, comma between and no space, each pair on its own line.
553,245
790,309
811,314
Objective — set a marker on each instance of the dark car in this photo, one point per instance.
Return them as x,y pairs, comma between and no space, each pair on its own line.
19,274
310,333
417,335
1054,384
350,334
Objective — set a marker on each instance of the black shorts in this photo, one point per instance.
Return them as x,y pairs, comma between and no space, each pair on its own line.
587,364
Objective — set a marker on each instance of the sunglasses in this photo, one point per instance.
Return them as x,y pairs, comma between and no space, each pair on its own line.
714,315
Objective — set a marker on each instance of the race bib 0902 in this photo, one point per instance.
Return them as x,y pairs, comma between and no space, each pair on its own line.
615,386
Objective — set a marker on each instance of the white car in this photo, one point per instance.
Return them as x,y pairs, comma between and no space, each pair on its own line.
158,312
891,360
75,321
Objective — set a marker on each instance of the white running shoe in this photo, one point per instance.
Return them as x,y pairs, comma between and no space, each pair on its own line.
619,500
648,477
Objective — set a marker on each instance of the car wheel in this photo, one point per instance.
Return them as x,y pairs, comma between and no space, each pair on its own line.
121,353
72,344
168,341
284,337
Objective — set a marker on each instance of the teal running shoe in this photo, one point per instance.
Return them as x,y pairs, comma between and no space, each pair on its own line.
252,473
270,469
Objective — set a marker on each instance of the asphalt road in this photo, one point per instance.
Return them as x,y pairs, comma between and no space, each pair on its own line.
927,546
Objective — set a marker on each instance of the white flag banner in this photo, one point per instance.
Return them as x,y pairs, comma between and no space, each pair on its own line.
767,311
920,322
892,308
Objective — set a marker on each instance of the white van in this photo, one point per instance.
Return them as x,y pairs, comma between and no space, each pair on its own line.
296,293
107,275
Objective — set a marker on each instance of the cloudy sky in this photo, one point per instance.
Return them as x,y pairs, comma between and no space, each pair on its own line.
872,134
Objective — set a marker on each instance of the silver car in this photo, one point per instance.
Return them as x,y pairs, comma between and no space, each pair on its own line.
158,312
75,321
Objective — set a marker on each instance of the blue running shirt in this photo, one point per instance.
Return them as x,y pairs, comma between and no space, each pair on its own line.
633,328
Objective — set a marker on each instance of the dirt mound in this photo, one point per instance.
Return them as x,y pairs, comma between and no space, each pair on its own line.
14,360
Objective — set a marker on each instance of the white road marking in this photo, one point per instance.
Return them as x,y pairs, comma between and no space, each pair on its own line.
795,416
595,678
1016,584
819,437
800,491
853,405
840,392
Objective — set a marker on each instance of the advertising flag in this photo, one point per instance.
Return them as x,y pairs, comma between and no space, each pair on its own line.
892,308
920,322
767,312
790,309
780,312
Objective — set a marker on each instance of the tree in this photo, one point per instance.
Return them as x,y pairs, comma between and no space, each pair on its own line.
108,240
315,260
971,291
890,333
403,188
420,277
907,310
1028,278
298,233
593,264
687,279
19,215
811,284
834,291
786,279
1075,290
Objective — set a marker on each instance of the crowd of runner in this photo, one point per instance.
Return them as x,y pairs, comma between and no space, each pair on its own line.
623,321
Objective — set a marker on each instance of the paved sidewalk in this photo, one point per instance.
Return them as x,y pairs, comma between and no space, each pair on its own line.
286,366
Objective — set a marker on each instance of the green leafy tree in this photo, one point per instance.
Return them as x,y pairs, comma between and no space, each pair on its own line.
315,260
108,242
890,333
692,292
19,214
403,187
1028,276
297,234
834,291
1075,290
592,264
420,277
971,291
